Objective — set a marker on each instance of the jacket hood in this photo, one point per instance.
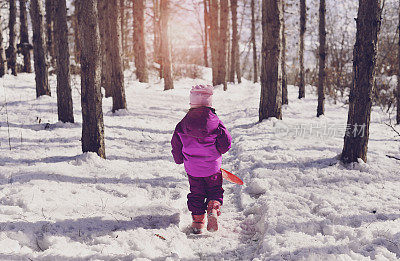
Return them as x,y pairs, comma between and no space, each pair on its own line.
200,122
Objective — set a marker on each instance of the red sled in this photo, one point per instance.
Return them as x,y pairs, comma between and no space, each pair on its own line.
230,177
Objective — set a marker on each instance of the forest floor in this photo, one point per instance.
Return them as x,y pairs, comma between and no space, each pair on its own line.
298,201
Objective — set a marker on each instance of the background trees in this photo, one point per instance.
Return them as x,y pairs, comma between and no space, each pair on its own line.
139,40
39,48
11,51
64,97
322,59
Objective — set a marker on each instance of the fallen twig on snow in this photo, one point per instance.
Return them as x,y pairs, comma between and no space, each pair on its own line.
392,157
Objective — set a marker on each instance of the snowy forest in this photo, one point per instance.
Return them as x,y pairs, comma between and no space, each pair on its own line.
121,120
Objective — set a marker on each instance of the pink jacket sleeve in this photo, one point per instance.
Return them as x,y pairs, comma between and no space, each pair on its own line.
176,144
224,139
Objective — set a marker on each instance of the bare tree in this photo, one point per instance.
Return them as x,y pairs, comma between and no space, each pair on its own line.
64,96
104,35
77,40
285,99
92,113
39,48
271,74
50,31
139,41
157,35
165,46
24,37
235,60
206,30
12,50
114,55
322,58
214,39
302,87
3,59
360,102
398,77
253,42
223,43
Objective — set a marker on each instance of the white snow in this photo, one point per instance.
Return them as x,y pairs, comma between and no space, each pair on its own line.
298,201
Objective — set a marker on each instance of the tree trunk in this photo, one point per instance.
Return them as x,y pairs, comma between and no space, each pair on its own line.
235,43
39,49
12,50
271,74
24,37
322,56
285,99
77,40
398,77
104,35
223,43
64,97
302,87
253,41
360,99
206,31
50,31
114,57
157,35
92,113
139,41
214,38
165,46
3,59
122,30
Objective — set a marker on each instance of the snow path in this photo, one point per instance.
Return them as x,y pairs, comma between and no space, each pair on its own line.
297,203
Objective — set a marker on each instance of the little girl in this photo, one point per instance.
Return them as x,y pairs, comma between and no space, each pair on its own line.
199,140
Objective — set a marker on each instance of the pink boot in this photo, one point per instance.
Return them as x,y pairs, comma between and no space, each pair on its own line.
198,223
213,211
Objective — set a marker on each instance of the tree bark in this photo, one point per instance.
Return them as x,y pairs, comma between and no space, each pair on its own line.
50,31
39,49
302,87
223,43
24,37
139,41
114,55
214,39
322,56
104,35
206,31
235,61
157,35
12,50
64,96
360,99
285,99
77,40
253,42
165,46
271,74
3,59
92,113
398,77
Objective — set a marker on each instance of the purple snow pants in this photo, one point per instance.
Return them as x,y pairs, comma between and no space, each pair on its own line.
202,190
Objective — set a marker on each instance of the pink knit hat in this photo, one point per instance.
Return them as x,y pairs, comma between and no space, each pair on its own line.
201,95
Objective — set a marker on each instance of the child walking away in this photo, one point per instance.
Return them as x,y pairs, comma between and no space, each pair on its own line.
199,141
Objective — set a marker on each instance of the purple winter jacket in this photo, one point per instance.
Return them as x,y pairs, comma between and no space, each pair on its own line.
199,141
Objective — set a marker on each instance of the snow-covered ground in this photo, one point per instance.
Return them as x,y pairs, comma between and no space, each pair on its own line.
298,201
